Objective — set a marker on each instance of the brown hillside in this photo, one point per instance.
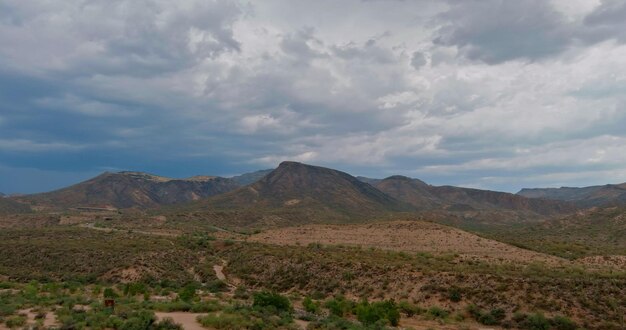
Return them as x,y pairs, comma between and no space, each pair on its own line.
408,236
305,193
131,189
425,196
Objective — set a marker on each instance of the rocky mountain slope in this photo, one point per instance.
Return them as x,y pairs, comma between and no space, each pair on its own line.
250,178
131,189
610,194
302,193
9,206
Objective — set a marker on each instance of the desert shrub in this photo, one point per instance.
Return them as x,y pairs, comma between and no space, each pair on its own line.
438,312
6,308
474,311
224,321
173,306
454,294
338,306
536,321
271,299
372,313
310,305
15,321
206,307
563,323
498,313
109,293
241,293
409,309
217,286
487,319
166,324
333,322
197,241
188,292
133,289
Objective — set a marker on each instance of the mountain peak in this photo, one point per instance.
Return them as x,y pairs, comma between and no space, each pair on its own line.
399,178
303,192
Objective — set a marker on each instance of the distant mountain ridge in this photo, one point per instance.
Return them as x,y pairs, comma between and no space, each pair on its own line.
131,189
606,195
425,196
250,178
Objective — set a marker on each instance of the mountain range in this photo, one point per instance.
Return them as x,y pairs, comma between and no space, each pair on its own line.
424,196
295,192
131,189
585,197
292,193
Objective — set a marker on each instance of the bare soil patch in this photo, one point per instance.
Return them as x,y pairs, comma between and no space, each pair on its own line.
409,236
187,320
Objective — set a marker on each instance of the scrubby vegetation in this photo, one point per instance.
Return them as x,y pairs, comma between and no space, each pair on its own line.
67,273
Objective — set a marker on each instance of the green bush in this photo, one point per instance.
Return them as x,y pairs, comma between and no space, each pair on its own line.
338,306
311,306
133,289
271,299
438,312
536,322
188,292
454,294
166,324
109,293
409,309
224,321
370,314
15,321
217,286
487,319
563,323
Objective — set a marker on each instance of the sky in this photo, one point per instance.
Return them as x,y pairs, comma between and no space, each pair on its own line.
491,94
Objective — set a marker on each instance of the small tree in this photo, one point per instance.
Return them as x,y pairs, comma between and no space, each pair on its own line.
271,299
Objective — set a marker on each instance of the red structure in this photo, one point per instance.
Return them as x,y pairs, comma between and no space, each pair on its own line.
109,303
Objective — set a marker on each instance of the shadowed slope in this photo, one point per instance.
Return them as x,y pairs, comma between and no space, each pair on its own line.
305,193
610,194
424,196
131,189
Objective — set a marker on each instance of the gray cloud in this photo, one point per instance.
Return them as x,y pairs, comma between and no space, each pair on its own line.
418,60
456,92
496,31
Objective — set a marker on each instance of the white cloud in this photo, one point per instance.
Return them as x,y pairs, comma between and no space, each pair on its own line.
23,145
440,89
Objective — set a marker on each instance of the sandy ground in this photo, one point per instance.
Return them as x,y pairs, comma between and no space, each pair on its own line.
219,272
48,321
409,236
187,320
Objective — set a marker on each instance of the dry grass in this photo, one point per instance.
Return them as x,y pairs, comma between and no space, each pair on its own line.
408,236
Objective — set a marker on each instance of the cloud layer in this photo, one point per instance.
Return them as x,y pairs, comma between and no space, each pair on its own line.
492,94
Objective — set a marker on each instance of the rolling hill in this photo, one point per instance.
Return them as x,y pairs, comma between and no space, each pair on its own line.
10,206
610,194
130,189
593,232
426,197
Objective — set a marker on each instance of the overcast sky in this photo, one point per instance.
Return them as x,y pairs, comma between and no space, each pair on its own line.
489,94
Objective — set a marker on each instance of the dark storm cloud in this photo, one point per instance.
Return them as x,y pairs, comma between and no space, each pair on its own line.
495,31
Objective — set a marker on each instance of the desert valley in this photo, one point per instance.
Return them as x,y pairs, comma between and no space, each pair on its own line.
312,165
309,247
